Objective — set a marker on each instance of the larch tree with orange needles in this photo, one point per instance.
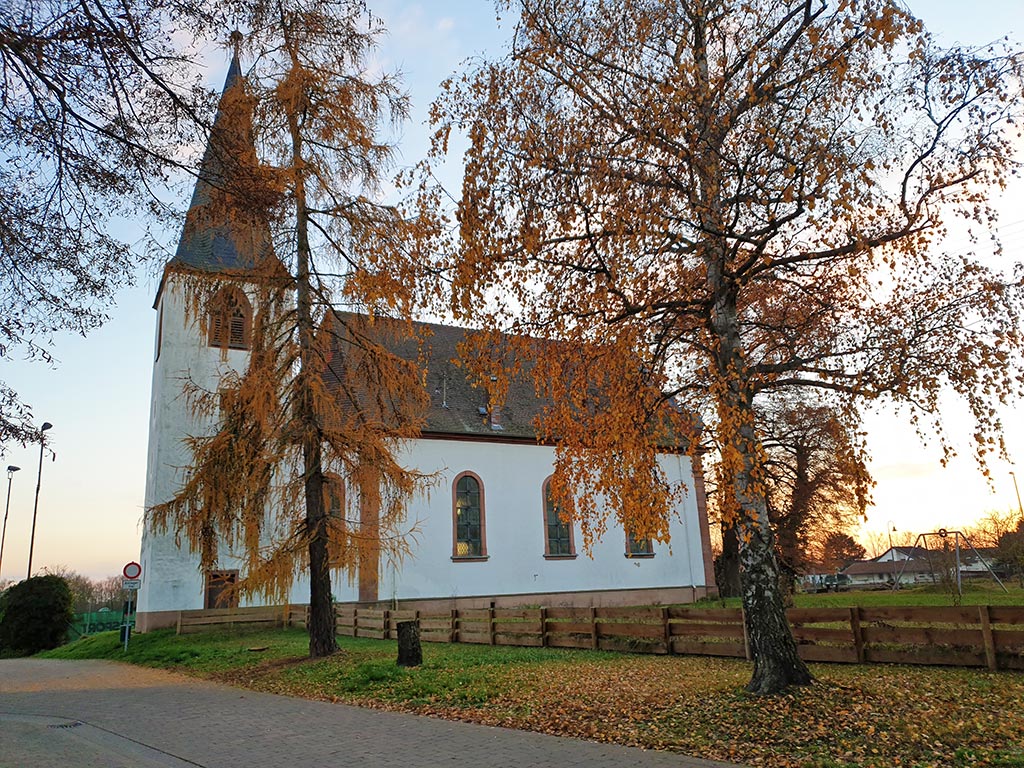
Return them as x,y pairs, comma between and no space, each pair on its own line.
708,201
298,473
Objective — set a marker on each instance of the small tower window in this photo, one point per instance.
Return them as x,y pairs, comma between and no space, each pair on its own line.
230,320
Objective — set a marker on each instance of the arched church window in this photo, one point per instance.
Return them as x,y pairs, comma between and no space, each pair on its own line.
470,539
230,320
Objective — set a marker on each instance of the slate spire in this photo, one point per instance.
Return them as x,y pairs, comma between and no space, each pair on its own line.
224,229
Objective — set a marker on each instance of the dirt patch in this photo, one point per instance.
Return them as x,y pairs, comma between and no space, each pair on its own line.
30,675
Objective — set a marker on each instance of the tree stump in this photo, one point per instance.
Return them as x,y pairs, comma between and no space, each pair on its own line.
410,654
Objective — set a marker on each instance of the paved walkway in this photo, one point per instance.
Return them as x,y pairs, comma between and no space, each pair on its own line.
109,715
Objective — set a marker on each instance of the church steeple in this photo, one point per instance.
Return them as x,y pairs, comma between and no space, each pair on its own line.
225,228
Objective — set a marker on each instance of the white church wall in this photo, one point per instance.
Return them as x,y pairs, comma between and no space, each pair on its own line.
171,578
513,477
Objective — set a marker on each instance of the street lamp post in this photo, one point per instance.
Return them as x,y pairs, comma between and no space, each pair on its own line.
11,469
1017,491
889,528
39,482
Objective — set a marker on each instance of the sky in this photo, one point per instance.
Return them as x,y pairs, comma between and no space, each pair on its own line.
97,395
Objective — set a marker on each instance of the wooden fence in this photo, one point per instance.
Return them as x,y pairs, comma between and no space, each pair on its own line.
968,636
218,618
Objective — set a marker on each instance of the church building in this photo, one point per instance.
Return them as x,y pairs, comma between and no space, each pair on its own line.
487,531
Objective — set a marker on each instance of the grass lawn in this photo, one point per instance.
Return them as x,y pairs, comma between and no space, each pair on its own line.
877,716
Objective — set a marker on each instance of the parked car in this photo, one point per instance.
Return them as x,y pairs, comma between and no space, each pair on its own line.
831,582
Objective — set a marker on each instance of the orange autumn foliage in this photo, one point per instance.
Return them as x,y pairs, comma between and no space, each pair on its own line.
704,202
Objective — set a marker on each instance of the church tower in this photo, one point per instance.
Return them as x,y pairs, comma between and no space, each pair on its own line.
201,335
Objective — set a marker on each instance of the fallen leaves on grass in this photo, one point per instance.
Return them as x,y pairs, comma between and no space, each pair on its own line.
874,716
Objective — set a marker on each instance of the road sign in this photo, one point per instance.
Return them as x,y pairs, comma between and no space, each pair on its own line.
132,571
131,583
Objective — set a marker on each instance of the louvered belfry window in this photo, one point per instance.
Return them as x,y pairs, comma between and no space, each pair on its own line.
230,319
236,337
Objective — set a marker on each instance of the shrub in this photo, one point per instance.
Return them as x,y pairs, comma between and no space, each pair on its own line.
35,615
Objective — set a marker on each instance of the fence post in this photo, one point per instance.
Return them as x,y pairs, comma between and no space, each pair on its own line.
988,637
490,622
178,632
387,624
453,634
593,628
858,636
543,627
667,628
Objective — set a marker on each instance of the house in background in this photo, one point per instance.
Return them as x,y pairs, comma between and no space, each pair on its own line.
912,566
487,533
883,571
899,554
877,573
882,574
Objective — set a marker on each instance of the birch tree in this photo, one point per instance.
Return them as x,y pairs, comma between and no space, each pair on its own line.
751,196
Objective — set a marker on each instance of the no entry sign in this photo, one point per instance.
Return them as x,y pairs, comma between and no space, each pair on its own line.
132,571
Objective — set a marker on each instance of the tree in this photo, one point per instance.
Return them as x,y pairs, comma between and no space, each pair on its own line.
110,592
878,543
93,106
816,482
35,614
749,197
82,588
1003,532
323,395
816,479
1010,549
838,550
987,530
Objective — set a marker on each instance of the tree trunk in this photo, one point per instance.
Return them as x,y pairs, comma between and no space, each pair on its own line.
776,663
410,652
321,622
728,572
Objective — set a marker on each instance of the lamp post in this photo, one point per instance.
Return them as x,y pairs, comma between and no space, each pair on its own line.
11,469
1017,491
889,528
39,481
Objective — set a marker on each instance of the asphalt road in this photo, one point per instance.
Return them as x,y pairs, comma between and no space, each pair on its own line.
109,715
